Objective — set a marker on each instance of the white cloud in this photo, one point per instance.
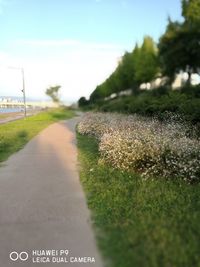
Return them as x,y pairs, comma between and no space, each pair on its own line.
77,66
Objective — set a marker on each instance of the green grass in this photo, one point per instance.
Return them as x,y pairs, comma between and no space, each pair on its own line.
14,135
152,223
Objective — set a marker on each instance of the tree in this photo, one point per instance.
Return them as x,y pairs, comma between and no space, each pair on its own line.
96,95
127,72
171,52
52,92
134,68
146,61
179,45
82,102
191,12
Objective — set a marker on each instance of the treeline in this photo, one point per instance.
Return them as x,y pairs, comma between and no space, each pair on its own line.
136,67
177,50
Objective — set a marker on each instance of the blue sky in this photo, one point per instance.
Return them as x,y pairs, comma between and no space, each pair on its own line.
74,43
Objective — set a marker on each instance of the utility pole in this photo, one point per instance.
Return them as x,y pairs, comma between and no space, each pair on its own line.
23,86
23,90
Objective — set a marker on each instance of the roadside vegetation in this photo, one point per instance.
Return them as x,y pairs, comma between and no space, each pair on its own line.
142,192
168,149
141,169
151,103
14,135
149,71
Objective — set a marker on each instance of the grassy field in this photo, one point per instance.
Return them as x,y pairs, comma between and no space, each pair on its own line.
14,135
141,223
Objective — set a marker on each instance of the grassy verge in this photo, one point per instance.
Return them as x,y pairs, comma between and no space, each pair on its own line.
14,135
140,223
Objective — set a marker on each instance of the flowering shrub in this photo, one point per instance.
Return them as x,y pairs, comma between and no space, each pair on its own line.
148,146
93,124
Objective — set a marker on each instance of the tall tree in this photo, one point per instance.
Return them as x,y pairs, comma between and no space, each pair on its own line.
126,71
191,12
146,61
179,45
170,52
134,68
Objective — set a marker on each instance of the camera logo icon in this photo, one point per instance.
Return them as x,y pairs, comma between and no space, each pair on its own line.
14,256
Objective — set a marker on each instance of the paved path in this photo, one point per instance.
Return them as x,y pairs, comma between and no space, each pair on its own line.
42,204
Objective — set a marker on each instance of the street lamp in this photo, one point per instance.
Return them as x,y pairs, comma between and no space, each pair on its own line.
23,87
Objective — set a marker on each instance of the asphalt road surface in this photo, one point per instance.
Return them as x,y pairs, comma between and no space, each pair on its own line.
42,204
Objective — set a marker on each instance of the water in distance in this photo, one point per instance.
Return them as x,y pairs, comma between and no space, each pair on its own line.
10,110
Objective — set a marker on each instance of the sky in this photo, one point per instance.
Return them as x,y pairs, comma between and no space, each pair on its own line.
73,43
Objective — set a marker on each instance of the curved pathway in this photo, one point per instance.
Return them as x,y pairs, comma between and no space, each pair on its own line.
42,204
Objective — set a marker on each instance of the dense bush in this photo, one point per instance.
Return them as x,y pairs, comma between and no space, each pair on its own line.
148,146
156,102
